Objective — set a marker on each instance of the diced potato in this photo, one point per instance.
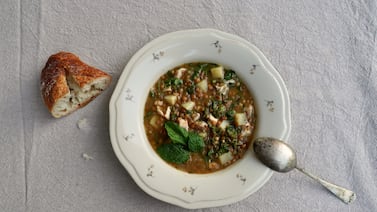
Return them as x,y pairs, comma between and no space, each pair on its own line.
188,105
226,157
170,99
224,124
240,119
218,72
203,85
153,121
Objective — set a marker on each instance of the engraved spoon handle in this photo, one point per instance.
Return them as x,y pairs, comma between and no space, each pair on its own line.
345,195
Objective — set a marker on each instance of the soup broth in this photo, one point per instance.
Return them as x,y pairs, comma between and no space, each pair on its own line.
199,117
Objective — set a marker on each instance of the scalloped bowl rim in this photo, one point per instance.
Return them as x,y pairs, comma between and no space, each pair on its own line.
129,141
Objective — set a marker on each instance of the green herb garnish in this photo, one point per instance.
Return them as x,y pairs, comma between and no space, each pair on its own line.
230,114
182,143
232,132
173,81
218,109
191,89
195,142
224,148
196,72
229,74
210,153
177,134
173,153
198,69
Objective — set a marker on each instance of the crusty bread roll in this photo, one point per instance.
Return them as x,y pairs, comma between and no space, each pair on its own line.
68,84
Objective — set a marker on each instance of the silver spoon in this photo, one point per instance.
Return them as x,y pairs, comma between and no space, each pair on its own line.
280,157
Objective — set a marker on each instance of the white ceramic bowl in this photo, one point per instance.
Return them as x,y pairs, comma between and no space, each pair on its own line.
130,143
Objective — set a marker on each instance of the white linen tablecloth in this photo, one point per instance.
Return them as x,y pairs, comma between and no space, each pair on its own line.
326,51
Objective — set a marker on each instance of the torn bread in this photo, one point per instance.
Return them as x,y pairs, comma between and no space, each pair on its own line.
68,84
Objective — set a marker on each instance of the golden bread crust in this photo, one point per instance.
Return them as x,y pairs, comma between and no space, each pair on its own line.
59,69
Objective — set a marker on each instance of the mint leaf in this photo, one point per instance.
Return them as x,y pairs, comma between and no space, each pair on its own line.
195,142
173,153
177,134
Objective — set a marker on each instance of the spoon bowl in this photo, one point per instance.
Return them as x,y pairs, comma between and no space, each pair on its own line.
275,154
281,157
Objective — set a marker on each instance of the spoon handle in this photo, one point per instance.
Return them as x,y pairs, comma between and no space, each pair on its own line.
345,195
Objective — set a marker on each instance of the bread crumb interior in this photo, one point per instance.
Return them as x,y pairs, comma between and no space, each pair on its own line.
78,96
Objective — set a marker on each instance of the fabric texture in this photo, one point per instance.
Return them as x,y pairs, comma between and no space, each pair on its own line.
326,52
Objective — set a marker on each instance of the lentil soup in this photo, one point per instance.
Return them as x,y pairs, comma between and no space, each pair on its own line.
199,117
